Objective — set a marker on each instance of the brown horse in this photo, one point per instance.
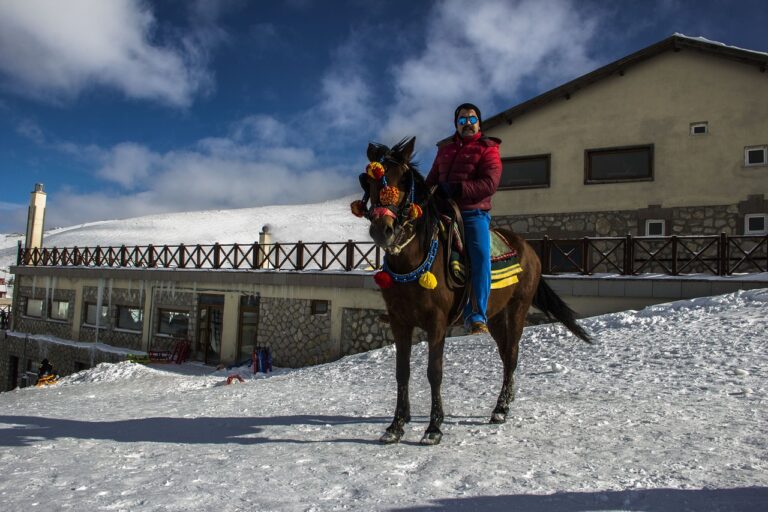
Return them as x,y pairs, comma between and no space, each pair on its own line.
410,244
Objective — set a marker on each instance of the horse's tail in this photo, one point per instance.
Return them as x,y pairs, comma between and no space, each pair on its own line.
553,306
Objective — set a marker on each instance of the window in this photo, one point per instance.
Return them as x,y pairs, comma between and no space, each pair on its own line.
619,164
699,128
756,155
654,227
90,315
319,307
173,322
756,224
60,310
130,318
525,172
34,308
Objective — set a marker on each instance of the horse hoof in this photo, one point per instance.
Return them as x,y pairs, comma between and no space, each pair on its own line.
390,438
431,438
498,418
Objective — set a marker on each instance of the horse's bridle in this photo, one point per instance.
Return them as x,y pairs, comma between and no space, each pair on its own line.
399,212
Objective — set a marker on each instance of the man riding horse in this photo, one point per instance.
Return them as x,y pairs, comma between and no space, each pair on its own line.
468,169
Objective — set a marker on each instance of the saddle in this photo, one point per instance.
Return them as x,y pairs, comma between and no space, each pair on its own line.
505,264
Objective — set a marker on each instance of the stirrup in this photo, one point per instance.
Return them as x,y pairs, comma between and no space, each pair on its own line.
478,328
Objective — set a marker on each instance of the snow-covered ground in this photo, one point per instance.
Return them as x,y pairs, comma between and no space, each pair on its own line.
329,221
666,412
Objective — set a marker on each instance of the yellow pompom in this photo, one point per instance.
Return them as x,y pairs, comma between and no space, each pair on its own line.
414,212
375,170
428,280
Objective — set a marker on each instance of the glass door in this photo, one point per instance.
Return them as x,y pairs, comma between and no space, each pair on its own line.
209,327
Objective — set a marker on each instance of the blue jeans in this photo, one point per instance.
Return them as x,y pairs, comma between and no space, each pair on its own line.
478,242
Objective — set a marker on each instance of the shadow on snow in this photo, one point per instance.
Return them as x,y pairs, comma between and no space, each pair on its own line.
27,430
743,499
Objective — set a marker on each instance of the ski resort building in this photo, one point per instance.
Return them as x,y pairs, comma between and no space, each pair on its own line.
670,140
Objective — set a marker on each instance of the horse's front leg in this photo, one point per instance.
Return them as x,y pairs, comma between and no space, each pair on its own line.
433,434
403,374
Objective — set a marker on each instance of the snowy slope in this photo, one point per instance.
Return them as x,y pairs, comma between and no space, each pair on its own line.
330,221
667,412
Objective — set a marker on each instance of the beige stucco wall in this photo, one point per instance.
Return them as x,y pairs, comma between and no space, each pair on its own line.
653,103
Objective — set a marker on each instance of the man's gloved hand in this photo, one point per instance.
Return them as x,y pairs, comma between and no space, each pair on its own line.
450,190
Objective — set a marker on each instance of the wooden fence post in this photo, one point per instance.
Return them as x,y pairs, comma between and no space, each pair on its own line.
722,255
216,255
546,255
350,255
629,256
299,255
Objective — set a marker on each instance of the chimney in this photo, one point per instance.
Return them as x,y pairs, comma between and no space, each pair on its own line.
265,245
35,218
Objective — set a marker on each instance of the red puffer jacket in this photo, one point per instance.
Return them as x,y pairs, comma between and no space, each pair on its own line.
474,164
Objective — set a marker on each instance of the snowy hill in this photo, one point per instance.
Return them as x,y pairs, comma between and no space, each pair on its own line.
330,221
667,412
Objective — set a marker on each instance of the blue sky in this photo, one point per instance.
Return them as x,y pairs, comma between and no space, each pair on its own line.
127,107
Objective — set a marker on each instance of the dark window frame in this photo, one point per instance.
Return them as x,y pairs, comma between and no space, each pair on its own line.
172,310
105,316
26,307
618,149
546,156
320,307
50,310
118,307
762,149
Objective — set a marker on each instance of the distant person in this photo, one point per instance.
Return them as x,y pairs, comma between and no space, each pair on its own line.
45,368
3,320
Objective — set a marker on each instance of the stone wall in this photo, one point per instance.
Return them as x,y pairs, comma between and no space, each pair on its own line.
66,358
367,329
109,333
705,220
295,336
44,324
172,299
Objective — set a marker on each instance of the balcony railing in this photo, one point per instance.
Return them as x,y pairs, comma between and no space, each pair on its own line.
672,255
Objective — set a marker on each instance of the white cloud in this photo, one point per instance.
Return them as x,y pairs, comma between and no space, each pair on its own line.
482,52
253,165
127,164
55,51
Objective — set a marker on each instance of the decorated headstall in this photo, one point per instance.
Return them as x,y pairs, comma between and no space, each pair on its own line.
409,211
389,197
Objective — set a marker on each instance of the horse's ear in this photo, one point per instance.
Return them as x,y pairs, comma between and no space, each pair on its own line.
376,151
407,152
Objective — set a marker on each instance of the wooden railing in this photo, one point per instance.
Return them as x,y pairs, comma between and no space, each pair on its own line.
672,255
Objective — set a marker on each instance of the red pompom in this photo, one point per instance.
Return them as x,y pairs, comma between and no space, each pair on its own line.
383,279
375,170
358,208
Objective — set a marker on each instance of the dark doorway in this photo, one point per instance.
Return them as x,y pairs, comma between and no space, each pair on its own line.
249,324
13,373
210,316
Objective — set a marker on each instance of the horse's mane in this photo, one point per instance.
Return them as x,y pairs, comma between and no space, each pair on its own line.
431,214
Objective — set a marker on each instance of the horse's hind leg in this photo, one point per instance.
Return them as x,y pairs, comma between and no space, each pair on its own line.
507,329
403,374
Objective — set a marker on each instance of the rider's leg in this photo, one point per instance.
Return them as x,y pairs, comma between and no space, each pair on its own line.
478,243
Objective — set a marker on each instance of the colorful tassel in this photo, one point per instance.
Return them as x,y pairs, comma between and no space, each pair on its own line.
375,170
414,212
428,280
389,196
383,279
358,208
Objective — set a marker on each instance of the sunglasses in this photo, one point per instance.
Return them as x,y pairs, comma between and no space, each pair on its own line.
464,120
